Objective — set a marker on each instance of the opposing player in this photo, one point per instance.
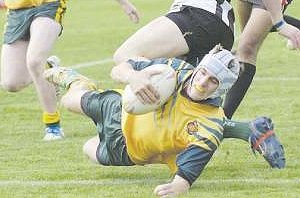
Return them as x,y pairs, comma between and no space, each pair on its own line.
255,23
183,134
31,30
191,28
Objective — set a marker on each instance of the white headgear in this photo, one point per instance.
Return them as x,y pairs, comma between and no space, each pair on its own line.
223,65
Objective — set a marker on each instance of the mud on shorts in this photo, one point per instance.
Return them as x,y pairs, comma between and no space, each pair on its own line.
19,20
202,30
105,109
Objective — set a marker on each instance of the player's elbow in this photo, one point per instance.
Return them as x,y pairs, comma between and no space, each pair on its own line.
119,56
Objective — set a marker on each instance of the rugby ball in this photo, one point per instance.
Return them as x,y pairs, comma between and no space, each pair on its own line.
163,82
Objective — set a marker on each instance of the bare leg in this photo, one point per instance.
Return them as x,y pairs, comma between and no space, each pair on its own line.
14,73
160,38
74,83
90,148
23,62
244,11
253,35
44,32
72,99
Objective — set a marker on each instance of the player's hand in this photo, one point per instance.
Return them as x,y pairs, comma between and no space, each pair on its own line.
292,33
130,10
176,187
140,84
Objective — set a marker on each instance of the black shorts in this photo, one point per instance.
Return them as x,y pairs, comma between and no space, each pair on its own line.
202,30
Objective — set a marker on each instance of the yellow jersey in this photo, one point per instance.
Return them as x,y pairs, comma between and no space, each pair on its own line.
17,4
157,137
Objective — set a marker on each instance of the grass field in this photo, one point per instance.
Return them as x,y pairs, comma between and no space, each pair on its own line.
30,167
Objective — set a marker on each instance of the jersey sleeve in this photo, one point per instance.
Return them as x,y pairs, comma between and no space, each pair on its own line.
139,65
175,63
191,162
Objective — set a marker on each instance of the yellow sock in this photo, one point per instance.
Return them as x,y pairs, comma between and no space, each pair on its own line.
51,118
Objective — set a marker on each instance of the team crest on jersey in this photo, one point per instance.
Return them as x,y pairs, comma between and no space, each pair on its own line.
193,129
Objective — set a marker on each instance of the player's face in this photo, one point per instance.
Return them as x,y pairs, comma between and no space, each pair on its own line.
203,85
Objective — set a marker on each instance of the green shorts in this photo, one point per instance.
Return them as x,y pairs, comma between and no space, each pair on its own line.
105,109
19,20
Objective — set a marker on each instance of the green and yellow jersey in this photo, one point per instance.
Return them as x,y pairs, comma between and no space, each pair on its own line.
17,4
159,136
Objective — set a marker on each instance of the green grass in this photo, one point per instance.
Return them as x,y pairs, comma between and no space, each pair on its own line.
30,167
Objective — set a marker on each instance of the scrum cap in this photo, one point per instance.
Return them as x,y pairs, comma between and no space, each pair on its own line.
223,65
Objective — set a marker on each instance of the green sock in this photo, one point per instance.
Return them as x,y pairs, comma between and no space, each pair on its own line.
239,130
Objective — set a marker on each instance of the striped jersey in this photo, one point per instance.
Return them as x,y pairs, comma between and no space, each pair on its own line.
157,137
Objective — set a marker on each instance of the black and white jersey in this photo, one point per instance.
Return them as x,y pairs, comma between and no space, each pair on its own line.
221,8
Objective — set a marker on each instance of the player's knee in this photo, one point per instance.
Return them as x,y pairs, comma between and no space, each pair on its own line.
13,86
89,149
119,56
85,147
34,65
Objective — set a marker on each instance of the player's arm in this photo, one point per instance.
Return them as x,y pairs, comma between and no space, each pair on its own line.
274,7
130,72
283,28
130,10
190,163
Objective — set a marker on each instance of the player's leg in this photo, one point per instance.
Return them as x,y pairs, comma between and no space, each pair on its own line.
189,33
105,109
260,134
14,73
160,38
244,10
253,35
90,148
44,32
72,99
75,84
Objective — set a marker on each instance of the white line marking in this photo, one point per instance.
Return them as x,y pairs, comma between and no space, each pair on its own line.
141,181
92,63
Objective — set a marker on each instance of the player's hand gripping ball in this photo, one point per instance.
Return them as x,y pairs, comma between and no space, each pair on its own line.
163,82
